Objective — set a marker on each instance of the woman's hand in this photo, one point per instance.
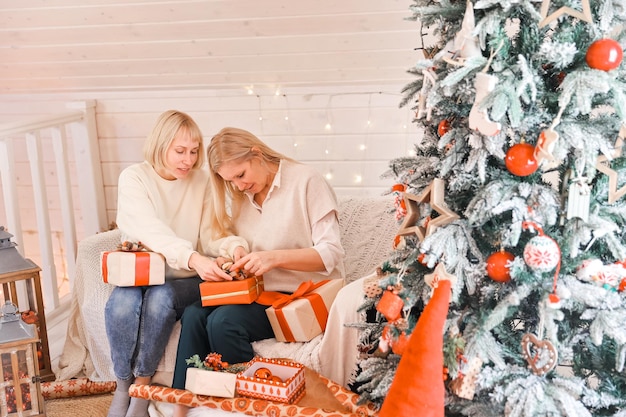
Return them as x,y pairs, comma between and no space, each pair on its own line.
256,263
239,253
207,268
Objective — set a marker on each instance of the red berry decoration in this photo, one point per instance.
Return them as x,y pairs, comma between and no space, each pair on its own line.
497,268
604,54
520,159
443,128
622,284
398,188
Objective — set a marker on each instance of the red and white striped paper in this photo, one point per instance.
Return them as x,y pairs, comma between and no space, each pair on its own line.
132,269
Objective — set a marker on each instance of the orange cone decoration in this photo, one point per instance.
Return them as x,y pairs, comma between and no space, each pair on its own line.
417,389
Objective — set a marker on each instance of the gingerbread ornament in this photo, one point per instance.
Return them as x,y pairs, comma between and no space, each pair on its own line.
541,355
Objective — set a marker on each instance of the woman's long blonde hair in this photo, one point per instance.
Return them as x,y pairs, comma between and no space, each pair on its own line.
232,145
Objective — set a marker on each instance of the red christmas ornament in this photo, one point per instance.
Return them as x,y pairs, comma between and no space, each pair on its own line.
604,54
520,159
398,187
390,305
443,128
497,269
399,345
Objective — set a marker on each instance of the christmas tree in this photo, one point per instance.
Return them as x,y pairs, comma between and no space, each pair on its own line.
516,189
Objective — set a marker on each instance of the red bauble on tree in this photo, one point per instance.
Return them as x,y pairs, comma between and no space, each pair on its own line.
604,54
443,127
520,159
497,268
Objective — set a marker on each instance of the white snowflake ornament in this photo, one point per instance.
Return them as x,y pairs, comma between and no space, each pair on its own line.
542,254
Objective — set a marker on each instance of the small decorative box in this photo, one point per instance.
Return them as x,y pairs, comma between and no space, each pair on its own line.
256,381
132,269
217,384
301,316
243,291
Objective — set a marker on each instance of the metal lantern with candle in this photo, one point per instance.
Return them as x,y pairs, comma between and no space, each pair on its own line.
20,388
21,284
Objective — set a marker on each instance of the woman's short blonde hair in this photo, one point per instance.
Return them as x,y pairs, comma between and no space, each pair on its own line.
168,124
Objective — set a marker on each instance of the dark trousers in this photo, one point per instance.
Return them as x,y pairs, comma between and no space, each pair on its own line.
228,330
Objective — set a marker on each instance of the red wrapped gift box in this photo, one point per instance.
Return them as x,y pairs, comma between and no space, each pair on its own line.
132,269
290,389
242,291
301,316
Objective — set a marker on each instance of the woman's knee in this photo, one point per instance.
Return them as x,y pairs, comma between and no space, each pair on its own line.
222,320
195,316
160,297
124,303
350,296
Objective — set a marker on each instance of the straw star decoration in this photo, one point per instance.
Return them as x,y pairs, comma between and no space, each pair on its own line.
440,273
409,225
585,15
604,165
433,195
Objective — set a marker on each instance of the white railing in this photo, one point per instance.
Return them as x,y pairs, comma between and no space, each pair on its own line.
81,123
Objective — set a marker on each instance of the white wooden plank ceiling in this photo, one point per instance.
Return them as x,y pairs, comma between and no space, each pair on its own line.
51,46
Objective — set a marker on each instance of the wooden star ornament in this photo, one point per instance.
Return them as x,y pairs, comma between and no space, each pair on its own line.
410,224
439,274
585,15
603,165
433,194
446,216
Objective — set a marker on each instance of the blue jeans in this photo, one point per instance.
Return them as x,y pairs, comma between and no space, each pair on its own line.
139,321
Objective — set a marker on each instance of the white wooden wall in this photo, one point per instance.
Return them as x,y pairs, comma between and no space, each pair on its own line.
50,46
349,134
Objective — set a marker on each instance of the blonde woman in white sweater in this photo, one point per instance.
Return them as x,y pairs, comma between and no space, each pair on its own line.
288,214
161,203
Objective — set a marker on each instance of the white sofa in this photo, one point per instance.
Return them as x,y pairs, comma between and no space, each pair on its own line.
368,228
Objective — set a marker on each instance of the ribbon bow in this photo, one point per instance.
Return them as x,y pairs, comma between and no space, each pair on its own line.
278,299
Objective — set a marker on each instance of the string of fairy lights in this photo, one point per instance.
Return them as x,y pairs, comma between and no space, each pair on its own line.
328,137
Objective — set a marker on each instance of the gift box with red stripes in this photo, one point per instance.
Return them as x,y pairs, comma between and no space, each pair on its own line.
301,316
132,269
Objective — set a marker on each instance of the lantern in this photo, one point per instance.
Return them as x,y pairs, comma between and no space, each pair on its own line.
21,285
20,388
